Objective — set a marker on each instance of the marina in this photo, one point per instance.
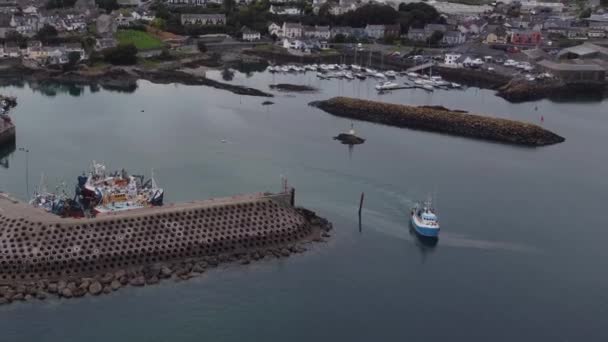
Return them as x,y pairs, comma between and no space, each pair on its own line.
388,80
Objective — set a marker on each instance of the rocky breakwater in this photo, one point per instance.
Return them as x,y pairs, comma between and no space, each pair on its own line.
7,127
45,256
522,90
442,120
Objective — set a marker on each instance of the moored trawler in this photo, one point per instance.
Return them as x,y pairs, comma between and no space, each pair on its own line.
101,193
424,220
107,193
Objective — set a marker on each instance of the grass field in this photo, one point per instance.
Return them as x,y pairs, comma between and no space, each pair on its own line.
142,40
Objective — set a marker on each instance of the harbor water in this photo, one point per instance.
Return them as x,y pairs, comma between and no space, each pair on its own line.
521,255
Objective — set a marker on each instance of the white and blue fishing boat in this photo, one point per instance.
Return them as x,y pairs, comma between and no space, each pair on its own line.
424,220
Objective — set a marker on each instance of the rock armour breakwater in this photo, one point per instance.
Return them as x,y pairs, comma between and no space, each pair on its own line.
440,120
43,254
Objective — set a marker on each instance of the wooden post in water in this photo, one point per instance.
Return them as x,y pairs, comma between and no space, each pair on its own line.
360,208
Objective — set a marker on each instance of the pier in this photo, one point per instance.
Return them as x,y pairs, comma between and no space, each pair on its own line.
137,246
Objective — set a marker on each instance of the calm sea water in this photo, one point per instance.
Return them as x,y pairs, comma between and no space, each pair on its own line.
522,254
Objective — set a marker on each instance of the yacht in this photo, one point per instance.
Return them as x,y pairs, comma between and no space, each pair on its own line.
387,86
390,74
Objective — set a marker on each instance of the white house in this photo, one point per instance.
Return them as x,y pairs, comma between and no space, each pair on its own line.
452,38
294,44
292,30
275,29
284,10
143,16
316,32
375,31
250,35
451,60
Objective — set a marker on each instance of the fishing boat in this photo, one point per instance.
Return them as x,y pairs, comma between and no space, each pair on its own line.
104,193
58,203
424,220
387,86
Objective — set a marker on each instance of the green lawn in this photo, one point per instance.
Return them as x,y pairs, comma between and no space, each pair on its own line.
142,40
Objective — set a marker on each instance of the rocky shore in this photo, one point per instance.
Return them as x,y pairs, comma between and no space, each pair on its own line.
440,120
117,78
7,127
473,78
146,275
522,91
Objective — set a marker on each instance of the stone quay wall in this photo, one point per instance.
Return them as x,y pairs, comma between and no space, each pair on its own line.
37,246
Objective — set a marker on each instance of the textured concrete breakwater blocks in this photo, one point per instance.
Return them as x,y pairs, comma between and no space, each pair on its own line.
442,120
44,254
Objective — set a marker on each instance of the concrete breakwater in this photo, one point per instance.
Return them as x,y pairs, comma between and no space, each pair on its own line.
42,254
442,120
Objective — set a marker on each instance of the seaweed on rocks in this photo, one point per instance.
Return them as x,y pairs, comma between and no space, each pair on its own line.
440,120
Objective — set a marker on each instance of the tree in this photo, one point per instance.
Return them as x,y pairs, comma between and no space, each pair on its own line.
586,13
73,59
340,38
51,4
159,23
200,45
16,37
228,5
108,5
165,55
435,37
46,32
161,10
123,54
227,74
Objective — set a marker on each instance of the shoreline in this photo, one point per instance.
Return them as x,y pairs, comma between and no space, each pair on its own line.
120,78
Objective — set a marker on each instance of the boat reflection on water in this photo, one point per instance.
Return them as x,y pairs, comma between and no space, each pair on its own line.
426,245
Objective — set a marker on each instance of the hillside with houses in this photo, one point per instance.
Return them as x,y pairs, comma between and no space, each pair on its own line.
566,40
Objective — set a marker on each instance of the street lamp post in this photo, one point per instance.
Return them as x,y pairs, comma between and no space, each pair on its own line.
27,171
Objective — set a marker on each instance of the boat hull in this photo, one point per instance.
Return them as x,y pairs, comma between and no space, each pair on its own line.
422,230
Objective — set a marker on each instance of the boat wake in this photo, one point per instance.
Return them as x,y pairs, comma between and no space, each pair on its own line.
400,230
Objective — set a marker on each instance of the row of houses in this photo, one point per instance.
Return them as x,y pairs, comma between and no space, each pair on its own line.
450,36
28,24
42,54
203,19
297,30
